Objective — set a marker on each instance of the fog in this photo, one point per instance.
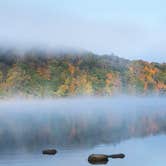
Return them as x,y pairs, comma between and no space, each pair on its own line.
130,30
78,122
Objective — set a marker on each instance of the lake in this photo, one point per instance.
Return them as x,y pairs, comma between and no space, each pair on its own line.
78,127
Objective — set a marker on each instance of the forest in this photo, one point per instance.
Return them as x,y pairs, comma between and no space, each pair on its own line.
44,73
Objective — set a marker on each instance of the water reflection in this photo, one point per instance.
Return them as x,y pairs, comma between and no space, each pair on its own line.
139,152
78,123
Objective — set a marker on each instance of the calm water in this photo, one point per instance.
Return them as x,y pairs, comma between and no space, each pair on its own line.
80,127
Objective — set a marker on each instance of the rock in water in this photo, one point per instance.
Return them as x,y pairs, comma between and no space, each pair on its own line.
102,158
49,151
115,156
98,159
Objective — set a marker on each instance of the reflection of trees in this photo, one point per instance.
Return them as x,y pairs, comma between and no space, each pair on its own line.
77,129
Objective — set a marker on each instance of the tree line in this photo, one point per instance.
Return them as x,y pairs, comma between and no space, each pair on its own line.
53,74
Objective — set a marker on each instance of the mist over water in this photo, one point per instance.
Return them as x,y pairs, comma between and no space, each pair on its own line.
78,122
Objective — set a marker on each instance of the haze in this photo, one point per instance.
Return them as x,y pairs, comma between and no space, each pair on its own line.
31,124
130,29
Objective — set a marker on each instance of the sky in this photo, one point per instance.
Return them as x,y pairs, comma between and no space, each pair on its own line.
127,28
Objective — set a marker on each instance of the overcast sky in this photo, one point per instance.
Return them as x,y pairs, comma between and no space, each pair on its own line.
134,29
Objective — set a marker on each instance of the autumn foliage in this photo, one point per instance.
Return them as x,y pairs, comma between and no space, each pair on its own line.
42,74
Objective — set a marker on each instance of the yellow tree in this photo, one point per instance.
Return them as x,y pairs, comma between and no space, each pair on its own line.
44,72
16,80
112,83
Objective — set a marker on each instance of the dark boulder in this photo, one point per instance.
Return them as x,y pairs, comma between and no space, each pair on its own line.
115,156
49,151
102,158
98,159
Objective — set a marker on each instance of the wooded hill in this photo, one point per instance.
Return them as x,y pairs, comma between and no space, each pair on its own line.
37,73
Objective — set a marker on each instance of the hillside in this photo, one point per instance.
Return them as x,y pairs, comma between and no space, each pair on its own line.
37,73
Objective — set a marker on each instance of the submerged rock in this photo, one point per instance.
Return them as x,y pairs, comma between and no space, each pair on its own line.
102,158
49,151
115,156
